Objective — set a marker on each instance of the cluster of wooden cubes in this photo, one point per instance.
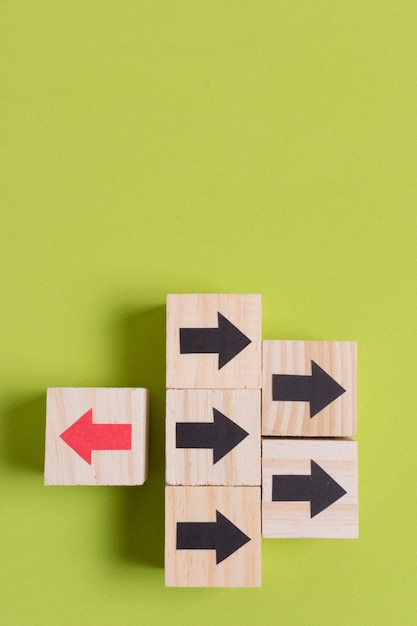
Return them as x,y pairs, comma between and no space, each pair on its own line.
256,436
257,439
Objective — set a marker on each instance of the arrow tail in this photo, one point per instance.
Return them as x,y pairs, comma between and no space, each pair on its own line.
196,535
287,387
199,340
111,437
291,488
194,435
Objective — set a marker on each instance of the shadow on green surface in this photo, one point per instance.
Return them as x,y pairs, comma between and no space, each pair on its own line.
140,510
24,426
137,518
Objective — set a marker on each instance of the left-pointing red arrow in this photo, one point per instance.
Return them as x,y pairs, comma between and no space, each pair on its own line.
83,436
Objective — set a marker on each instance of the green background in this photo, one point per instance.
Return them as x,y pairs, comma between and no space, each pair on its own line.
229,147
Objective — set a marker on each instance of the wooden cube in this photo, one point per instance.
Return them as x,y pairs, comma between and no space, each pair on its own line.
213,437
96,436
309,488
309,388
212,537
214,341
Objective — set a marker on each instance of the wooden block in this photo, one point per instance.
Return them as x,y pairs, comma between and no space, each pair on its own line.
212,537
96,436
309,488
214,341
309,388
213,437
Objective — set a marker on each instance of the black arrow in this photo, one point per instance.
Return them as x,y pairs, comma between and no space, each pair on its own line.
319,389
221,535
222,435
318,488
226,340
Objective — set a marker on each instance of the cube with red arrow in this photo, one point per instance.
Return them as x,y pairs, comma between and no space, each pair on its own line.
96,436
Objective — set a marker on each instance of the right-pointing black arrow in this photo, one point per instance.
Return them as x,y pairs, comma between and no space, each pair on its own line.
221,535
319,389
318,488
222,435
226,340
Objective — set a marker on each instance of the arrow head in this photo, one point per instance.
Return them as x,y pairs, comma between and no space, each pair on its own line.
232,341
227,435
78,436
324,490
324,389
229,538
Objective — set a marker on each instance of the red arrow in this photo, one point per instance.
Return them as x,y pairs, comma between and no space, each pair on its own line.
83,436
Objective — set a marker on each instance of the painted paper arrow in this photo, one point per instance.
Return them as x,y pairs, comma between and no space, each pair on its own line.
221,535
319,389
222,435
226,340
83,436
318,488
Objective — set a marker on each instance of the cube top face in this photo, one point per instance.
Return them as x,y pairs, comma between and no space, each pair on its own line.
96,436
309,388
212,537
213,437
214,341
309,488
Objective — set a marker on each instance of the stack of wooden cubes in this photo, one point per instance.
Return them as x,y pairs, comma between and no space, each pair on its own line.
309,466
213,441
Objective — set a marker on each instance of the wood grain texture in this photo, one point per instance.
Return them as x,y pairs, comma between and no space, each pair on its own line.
240,466
201,371
338,458
198,568
63,466
288,419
